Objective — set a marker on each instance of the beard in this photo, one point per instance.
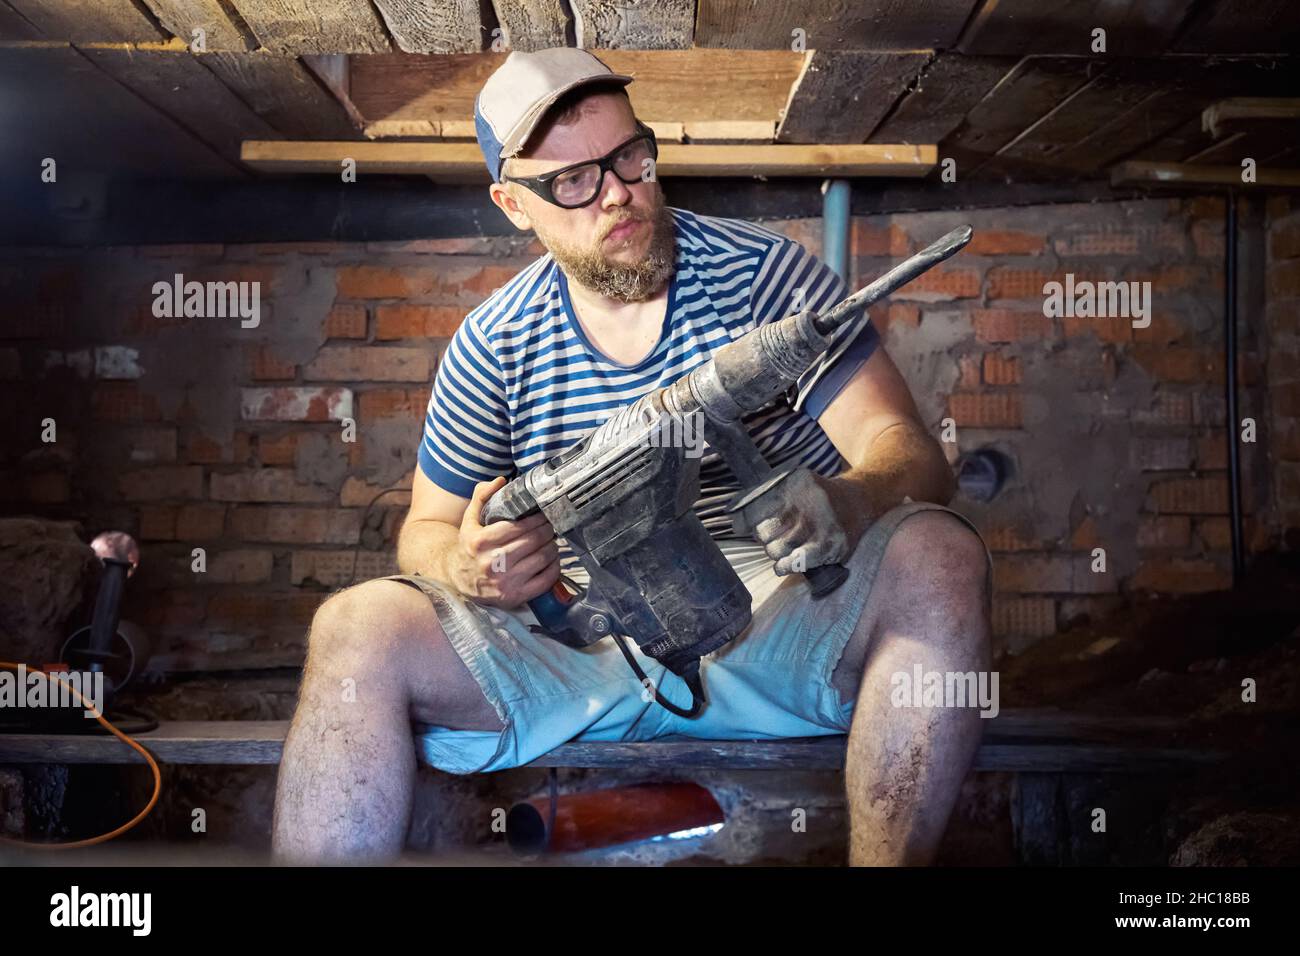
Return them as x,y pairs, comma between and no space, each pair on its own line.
593,270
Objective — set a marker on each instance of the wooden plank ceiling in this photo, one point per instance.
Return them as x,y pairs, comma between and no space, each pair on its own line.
1010,89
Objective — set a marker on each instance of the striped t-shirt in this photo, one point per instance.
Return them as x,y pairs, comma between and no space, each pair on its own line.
520,382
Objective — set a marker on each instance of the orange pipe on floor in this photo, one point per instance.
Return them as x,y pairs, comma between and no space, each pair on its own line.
600,818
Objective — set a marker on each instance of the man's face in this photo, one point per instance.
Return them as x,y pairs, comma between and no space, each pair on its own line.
620,245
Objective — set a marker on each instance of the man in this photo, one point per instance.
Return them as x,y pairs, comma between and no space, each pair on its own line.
632,295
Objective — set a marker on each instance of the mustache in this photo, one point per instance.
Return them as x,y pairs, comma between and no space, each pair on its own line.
618,222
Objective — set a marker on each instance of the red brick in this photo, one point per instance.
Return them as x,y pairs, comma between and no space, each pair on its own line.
1181,365
295,525
885,315
1085,536
473,245
359,493
1160,454
155,444
335,568
1284,240
488,279
1006,282
379,403
1168,410
158,523
1024,617
866,239
200,449
1212,452
346,322
1111,242
1113,328
1206,207
265,484
1189,496
1207,237
417,321
265,366
1162,330
386,282
1006,325
238,566
364,363
1005,242
297,248
942,283
200,522
1005,538
1283,360
1286,439
278,449
1193,278
123,402
149,484
1164,531
241,608
1284,278
304,404
1179,576
1033,573
1285,399
986,409
1000,369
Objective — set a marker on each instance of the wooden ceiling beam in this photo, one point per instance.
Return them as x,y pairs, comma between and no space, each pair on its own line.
647,25
220,32
841,97
464,161
830,24
1175,175
315,26
530,25
435,26
1230,115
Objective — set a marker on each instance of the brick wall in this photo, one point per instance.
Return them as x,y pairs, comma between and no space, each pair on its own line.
200,434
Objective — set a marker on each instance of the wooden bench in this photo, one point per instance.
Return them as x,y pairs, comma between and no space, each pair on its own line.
1027,741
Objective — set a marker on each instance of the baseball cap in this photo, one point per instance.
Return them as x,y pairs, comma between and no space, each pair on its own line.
520,91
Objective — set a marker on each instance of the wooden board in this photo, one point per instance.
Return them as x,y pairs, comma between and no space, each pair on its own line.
463,162
1013,741
1243,26
315,26
1172,105
830,24
183,17
1029,92
1019,27
282,92
74,113
533,24
947,90
671,85
633,24
1183,175
841,97
1046,144
176,83
14,26
435,26
118,21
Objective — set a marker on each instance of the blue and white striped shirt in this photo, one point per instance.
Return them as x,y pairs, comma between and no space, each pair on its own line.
520,382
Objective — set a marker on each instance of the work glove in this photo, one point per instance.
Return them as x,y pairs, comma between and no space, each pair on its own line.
795,523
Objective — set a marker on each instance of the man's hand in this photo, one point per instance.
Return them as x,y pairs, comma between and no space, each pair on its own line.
505,563
797,524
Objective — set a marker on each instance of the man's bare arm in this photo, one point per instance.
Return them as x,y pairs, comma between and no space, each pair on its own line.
875,425
504,564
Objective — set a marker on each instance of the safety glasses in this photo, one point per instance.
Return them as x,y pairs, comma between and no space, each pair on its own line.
572,187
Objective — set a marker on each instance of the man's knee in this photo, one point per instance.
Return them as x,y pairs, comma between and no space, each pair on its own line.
946,549
374,620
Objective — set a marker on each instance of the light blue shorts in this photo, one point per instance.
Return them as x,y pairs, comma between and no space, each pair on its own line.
772,680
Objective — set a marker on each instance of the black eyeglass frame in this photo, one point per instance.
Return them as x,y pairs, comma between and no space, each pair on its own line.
541,185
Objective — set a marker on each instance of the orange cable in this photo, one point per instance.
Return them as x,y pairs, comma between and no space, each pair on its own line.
126,739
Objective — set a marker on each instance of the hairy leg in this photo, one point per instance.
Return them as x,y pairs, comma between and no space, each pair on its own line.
377,659
929,605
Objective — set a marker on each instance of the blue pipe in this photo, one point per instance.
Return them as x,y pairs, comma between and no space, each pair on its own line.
835,225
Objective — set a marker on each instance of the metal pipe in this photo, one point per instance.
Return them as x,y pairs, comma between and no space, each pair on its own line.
835,226
1230,358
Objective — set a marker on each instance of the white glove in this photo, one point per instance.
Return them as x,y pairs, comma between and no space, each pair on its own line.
795,523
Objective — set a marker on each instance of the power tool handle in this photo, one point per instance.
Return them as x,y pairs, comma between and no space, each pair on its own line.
826,578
